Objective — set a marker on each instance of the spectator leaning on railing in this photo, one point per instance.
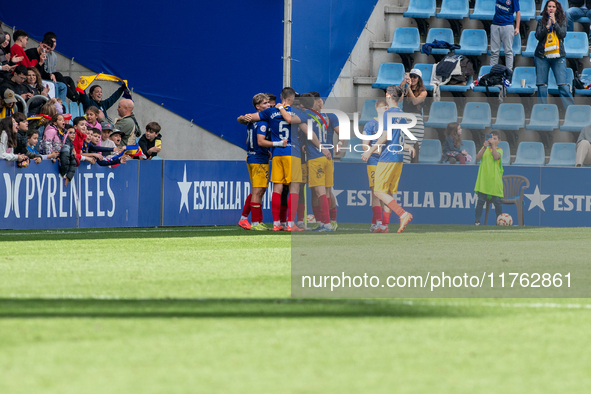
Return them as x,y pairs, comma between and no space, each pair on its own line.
127,123
8,130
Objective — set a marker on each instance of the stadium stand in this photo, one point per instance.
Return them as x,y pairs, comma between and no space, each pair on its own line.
482,89
585,78
430,152
476,116
553,87
484,10
563,154
421,11
368,112
441,114
426,70
454,9
576,45
530,154
446,35
474,42
527,73
516,46
405,40
389,74
532,43
504,145
576,117
470,147
528,9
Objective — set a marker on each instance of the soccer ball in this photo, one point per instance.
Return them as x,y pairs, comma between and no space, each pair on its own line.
311,219
504,219
23,164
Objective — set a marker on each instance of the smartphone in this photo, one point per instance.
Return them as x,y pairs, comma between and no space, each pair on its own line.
158,143
488,136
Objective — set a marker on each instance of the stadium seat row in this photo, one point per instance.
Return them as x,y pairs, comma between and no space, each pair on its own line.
474,42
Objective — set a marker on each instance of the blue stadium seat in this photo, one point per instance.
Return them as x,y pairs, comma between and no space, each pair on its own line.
586,79
504,145
446,35
528,9
368,112
441,114
563,154
482,89
576,45
576,117
532,43
74,110
457,88
454,9
470,148
553,87
81,107
474,42
476,116
564,4
405,40
527,73
544,117
516,46
426,70
423,9
389,74
352,156
430,152
484,10
510,116
530,154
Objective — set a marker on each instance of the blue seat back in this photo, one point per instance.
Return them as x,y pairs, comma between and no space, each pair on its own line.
484,70
586,76
352,155
474,39
532,43
470,148
485,9
430,151
368,112
578,116
530,153
426,70
511,114
74,110
553,87
456,8
443,112
406,40
504,145
421,7
528,9
544,114
563,154
389,74
477,113
446,35
576,44
527,73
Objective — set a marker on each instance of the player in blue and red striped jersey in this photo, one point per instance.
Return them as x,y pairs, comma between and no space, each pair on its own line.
286,169
389,165
257,161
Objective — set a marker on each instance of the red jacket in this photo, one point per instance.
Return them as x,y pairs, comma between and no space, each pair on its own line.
17,50
78,142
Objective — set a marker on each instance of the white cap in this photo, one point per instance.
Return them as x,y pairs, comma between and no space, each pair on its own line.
416,71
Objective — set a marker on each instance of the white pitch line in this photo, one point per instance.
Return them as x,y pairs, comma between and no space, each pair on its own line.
120,231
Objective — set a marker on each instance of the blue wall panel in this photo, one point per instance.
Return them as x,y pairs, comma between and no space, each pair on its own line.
149,193
202,60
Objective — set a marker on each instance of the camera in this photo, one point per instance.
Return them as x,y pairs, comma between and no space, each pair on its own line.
488,136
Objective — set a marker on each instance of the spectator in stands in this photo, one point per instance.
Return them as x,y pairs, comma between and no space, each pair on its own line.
489,183
584,147
503,31
414,97
22,130
127,123
151,140
8,130
6,65
452,150
54,135
92,114
18,83
35,83
40,53
17,51
32,140
115,136
550,33
68,158
577,9
95,98
7,102
49,71
93,148
106,129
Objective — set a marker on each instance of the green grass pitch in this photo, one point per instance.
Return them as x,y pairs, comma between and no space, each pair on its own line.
208,310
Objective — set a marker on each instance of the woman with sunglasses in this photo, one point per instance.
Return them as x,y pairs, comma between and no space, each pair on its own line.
414,97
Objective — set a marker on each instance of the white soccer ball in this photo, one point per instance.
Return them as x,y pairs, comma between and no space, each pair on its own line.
504,219
311,219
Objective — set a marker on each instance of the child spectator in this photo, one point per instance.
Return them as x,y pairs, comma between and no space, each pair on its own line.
80,127
93,148
54,135
32,139
92,115
151,141
106,129
115,137
22,130
452,147
68,159
8,130
489,183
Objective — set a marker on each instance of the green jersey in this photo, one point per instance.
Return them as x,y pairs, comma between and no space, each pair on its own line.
490,174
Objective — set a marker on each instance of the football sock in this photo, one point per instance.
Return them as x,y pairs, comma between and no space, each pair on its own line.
301,209
333,214
246,209
283,213
315,211
386,218
397,209
257,213
323,209
276,206
292,203
377,214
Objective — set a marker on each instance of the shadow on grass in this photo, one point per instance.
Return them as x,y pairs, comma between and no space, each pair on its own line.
227,308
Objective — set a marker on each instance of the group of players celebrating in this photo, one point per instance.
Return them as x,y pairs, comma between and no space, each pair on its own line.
299,139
